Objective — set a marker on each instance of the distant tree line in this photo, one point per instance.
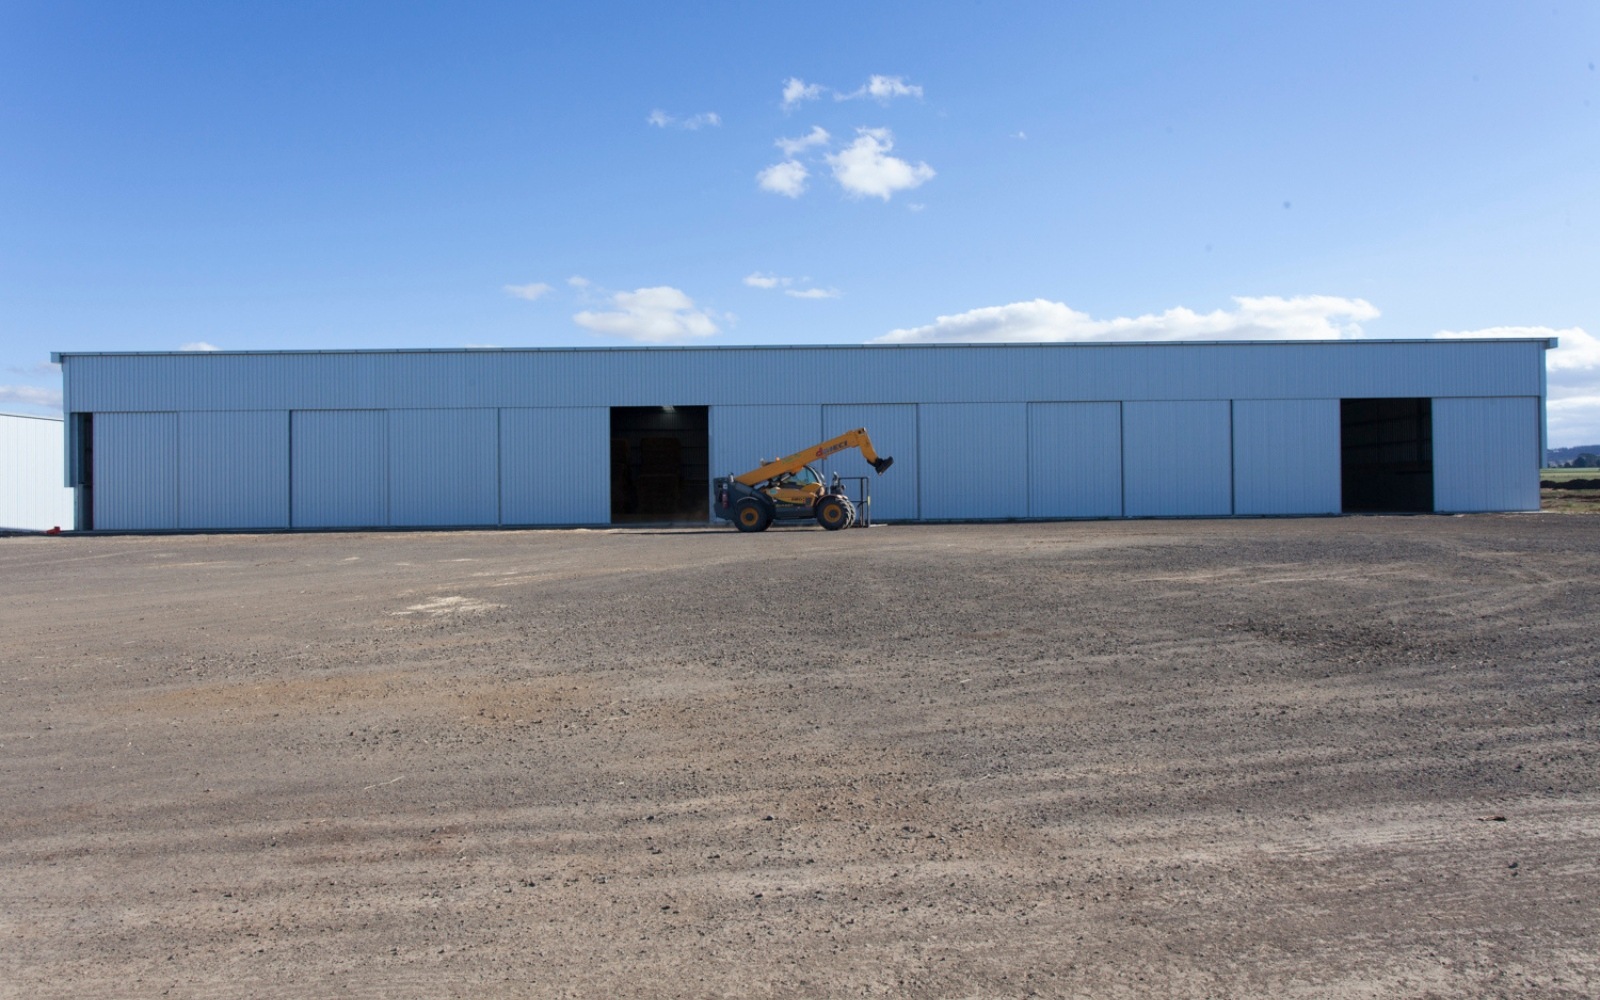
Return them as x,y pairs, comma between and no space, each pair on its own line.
1583,456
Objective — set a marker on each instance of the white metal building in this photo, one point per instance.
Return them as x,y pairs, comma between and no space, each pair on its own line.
31,494
329,439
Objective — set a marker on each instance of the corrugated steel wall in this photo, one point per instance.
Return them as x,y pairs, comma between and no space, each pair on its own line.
444,467
1286,456
974,460
1075,459
742,436
1177,459
135,470
340,468
1486,454
893,429
31,473
801,375
552,467
497,437
233,469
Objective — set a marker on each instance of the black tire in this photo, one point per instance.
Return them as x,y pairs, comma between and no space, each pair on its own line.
833,513
750,514
855,515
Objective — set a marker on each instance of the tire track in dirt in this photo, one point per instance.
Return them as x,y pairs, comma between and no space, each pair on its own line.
1248,759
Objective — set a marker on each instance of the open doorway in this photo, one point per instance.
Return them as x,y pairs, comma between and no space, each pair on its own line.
660,461
82,470
1386,455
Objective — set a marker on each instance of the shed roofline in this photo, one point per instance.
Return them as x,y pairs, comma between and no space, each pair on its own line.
1549,343
32,416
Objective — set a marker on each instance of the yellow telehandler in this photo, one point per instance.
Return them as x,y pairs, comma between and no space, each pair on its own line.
789,489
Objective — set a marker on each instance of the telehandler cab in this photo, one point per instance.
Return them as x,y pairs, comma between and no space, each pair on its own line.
789,489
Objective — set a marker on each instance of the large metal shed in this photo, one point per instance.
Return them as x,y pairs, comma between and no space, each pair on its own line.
484,437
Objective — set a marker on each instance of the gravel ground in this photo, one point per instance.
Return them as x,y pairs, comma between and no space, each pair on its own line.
1343,757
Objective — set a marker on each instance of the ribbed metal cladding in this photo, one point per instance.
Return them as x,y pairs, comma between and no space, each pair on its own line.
465,437
135,471
233,469
1176,459
340,468
1075,460
1485,454
974,460
1286,456
838,375
893,429
553,466
31,459
741,436
444,467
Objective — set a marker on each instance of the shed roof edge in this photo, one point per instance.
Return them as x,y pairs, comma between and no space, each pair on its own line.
56,357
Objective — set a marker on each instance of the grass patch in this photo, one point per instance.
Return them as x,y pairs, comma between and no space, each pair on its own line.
1570,501
1563,475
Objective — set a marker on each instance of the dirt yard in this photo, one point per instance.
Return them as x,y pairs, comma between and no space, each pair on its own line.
1345,757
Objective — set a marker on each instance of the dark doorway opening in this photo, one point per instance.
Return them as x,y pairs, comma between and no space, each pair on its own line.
660,461
1386,455
82,471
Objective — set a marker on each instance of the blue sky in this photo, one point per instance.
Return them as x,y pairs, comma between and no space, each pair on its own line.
311,175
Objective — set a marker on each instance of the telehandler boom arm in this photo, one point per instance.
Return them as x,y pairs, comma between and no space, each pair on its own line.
816,453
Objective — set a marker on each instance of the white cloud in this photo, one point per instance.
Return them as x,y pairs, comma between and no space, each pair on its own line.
771,281
660,119
199,345
787,178
532,291
650,315
31,395
878,87
578,281
862,169
1019,135
1305,317
1574,421
796,90
758,280
865,168
818,136
882,88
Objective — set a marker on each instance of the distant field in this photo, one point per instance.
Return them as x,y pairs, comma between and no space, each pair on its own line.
1563,475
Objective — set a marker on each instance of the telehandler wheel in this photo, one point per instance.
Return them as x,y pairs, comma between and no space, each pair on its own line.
751,514
855,515
833,513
